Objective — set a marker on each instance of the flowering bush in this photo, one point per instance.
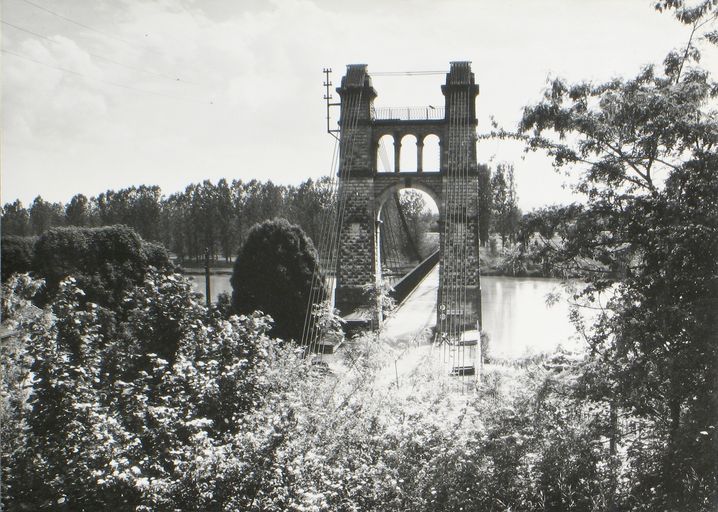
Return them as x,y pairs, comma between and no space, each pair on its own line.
164,405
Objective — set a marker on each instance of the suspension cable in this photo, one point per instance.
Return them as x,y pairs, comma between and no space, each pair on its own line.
330,243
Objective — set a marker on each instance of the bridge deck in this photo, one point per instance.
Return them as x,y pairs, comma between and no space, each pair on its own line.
409,331
416,313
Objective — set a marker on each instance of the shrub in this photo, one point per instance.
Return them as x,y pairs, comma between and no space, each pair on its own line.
16,255
106,262
273,273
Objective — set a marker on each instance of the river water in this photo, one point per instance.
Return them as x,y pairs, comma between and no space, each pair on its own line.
518,320
514,310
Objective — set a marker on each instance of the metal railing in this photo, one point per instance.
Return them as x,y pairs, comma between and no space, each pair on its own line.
408,113
406,285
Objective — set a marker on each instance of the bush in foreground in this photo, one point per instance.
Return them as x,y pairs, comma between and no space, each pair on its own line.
105,262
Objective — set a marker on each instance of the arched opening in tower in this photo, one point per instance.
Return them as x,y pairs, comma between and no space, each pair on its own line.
385,154
408,154
408,232
431,154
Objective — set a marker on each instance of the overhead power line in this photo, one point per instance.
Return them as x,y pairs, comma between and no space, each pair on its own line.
111,61
114,84
87,27
406,73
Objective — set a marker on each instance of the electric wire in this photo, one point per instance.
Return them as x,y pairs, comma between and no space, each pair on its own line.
318,278
406,73
454,307
343,189
321,277
465,238
445,273
457,315
87,27
461,324
345,161
96,56
107,82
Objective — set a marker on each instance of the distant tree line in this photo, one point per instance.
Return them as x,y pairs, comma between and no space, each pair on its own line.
218,216
214,216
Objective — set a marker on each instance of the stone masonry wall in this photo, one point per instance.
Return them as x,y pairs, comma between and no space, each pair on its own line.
356,242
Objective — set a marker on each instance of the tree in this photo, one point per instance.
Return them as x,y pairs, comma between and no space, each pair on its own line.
17,253
96,418
485,203
15,219
137,207
505,213
44,215
309,205
77,211
646,153
415,218
106,262
273,274
226,218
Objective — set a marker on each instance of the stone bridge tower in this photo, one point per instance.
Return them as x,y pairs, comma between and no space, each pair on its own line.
363,189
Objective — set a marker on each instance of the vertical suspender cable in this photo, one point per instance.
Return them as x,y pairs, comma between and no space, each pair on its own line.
466,232
319,290
318,279
345,160
330,248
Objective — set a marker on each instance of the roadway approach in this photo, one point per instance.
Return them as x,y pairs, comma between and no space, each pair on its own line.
407,333
407,341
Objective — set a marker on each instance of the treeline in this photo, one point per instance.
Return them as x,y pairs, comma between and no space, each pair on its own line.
218,216
214,216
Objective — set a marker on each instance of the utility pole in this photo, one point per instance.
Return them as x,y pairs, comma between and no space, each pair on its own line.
207,288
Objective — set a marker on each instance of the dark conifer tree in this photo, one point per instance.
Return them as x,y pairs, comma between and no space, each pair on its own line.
273,274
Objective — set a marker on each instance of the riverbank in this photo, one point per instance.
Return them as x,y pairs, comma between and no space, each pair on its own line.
197,268
505,265
490,265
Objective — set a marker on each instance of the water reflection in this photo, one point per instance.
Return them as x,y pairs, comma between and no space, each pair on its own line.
515,314
519,322
218,283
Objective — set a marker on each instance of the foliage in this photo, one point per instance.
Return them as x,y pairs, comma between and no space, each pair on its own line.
485,203
233,421
44,215
505,213
137,207
273,273
15,219
106,262
417,216
310,204
111,423
379,295
77,211
328,324
205,215
646,150
17,253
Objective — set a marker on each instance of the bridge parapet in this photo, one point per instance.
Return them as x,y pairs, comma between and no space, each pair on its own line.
428,113
410,281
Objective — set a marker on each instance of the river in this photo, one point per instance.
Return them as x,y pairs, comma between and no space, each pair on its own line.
518,320
514,310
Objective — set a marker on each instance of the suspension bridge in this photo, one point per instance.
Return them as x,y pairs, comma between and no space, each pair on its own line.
358,248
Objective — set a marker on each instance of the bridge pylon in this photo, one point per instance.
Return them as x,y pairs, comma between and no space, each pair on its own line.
363,189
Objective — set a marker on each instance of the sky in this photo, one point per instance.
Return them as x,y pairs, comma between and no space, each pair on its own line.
106,94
